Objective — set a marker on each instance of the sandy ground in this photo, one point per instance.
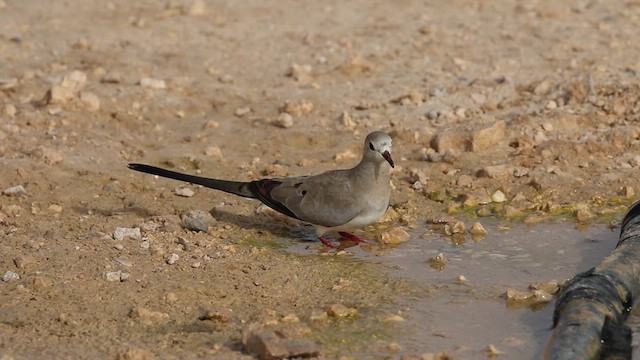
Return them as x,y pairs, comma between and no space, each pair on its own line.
536,99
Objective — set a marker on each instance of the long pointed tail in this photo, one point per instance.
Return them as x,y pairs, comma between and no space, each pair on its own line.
233,187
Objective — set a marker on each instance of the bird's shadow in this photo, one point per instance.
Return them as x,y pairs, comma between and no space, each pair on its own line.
273,223
276,224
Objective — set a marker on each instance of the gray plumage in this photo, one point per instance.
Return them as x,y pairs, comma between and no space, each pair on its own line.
336,200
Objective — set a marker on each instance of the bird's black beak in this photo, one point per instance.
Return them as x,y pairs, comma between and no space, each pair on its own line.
387,156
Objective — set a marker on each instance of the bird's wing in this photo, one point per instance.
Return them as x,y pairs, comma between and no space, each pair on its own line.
325,199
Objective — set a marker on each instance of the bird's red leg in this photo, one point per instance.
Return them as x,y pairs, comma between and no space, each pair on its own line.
356,239
327,242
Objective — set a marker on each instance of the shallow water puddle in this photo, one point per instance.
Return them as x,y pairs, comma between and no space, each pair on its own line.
464,317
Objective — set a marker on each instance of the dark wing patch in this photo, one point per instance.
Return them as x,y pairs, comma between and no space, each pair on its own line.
262,190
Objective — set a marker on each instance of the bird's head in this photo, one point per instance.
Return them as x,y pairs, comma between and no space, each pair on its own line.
377,146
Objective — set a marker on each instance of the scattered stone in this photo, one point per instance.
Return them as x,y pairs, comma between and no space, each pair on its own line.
461,279
478,230
172,259
183,191
627,191
215,316
394,319
341,311
416,185
283,120
449,141
488,137
10,110
356,65
395,235
417,175
501,171
476,198
318,316
297,108
498,197
583,215
56,95
240,112
530,298
112,78
345,155
465,180
198,220
74,81
214,152
269,344
17,190
151,83
11,210
493,351
148,317
90,100
542,87
10,276
300,73
51,156
346,121
122,232
438,262
114,276
551,287
55,208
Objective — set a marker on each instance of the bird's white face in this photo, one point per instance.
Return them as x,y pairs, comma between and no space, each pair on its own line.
379,143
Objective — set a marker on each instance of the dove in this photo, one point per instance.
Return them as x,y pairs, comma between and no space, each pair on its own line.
337,201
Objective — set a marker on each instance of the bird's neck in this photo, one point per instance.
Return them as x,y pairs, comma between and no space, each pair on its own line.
367,170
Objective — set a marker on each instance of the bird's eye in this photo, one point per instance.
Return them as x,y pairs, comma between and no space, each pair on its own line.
371,146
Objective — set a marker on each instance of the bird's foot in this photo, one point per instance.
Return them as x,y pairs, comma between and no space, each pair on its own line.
327,242
355,238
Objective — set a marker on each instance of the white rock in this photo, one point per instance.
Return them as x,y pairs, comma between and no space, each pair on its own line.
122,232
171,259
185,192
74,81
213,151
240,112
10,276
151,83
283,120
10,110
498,197
17,190
90,100
113,275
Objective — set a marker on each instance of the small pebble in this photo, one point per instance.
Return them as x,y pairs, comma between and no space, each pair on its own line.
184,191
341,311
10,276
10,110
151,83
240,112
17,190
55,208
113,275
171,259
90,100
478,229
498,197
122,232
283,120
